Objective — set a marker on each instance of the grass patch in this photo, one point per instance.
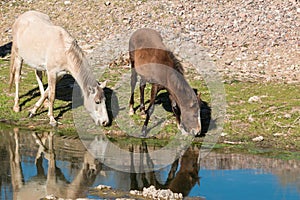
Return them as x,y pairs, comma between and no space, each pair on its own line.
275,115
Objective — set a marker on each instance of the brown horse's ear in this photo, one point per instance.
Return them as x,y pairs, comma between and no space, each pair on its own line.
103,84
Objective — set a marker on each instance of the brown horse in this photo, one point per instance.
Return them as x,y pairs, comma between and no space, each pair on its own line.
46,47
153,62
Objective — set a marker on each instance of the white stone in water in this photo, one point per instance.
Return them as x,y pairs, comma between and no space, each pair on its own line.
134,192
180,196
50,197
101,187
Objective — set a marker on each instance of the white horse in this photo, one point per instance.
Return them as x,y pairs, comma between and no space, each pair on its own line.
46,47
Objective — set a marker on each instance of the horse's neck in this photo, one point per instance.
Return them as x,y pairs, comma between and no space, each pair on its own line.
180,90
83,76
79,68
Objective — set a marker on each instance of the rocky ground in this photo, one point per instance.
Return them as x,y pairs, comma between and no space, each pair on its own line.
252,40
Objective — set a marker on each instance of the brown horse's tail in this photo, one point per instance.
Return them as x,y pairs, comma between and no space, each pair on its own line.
12,70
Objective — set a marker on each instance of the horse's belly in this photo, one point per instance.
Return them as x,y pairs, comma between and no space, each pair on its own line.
33,59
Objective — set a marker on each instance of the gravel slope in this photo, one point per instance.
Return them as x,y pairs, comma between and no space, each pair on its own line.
250,40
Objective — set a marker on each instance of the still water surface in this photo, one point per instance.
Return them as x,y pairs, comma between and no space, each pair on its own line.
33,165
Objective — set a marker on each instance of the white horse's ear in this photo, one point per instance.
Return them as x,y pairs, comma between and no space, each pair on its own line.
103,84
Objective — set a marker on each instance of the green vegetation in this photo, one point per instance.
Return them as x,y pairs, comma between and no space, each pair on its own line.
274,115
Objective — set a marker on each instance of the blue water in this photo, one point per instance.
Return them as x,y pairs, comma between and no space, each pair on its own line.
222,176
246,184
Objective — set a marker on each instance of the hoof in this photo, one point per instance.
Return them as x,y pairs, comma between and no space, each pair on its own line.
142,136
131,112
31,115
16,108
53,123
144,132
143,114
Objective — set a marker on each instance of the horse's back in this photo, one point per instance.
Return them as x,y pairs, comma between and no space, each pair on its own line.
146,46
38,41
30,18
146,38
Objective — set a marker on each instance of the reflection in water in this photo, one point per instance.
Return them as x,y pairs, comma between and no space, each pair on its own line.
187,173
53,182
40,164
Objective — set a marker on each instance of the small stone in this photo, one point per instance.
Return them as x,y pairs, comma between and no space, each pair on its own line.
258,139
67,2
101,187
107,3
50,197
228,62
251,119
127,20
223,134
254,99
279,134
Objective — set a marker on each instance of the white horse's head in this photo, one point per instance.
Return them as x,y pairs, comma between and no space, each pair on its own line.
94,103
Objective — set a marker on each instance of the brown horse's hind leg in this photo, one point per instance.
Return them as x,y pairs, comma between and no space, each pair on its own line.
132,84
142,94
150,109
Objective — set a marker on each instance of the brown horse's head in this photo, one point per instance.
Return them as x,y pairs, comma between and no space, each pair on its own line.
188,115
190,121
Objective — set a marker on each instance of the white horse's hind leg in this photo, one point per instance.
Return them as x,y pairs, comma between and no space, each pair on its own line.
39,78
38,104
17,67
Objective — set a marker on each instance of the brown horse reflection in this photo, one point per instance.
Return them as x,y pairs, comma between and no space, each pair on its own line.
181,181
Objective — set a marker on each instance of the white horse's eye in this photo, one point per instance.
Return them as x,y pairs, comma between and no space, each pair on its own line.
98,101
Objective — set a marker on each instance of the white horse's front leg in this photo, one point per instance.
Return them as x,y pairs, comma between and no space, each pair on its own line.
51,86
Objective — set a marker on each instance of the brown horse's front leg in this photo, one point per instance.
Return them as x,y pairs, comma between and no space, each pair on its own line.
150,109
132,84
175,109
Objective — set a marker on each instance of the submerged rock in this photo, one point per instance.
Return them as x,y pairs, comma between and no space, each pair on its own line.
153,193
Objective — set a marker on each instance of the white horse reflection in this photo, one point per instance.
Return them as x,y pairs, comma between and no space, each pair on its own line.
54,182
